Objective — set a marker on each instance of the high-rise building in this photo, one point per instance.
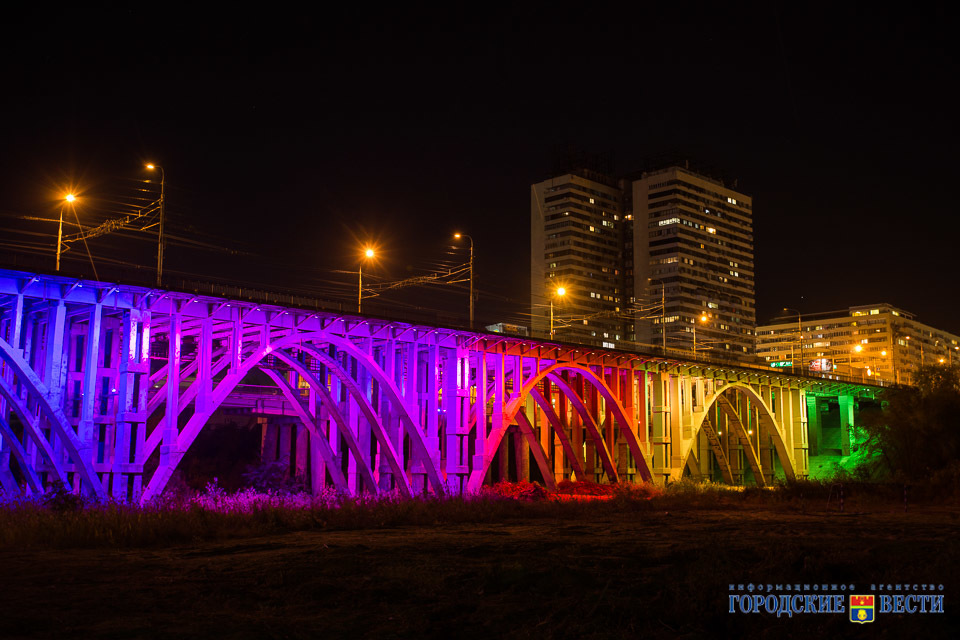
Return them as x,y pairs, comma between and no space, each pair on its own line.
576,247
876,342
663,258
693,249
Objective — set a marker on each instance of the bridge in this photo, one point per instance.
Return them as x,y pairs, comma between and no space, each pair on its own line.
105,386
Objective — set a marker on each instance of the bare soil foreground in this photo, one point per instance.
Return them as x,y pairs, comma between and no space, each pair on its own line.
653,573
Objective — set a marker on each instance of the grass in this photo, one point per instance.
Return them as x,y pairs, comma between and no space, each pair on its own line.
645,561
61,520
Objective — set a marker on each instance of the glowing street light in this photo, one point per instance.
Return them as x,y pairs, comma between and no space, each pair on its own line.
463,235
859,349
160,238
368,253
704,319
69,198
561,291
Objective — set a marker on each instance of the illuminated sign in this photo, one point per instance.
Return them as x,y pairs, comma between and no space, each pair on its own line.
821,364
781,364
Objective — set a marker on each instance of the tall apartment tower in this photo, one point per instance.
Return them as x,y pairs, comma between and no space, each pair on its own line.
576,232
661,259
693,249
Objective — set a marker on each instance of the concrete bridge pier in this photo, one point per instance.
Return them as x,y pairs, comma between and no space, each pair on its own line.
847,406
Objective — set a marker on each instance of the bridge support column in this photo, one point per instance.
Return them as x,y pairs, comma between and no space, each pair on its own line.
7,481
704,464
846,422
661,426
480,411
798,434
170,453
557,446
354,479
284,431
521,455
456,375
133,381
10,330
779,407
588,446
388,417
55,374
503,456
318,468
675,460
86,429
432,422
364,428
814,429
302,451
735,457
412,395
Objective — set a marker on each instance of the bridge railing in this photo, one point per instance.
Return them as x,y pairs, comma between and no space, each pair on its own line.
143,277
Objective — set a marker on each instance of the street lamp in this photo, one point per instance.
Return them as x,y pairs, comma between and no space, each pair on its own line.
799,338
69,198
463,235
367,254
858,349
703,318
561,291
160,238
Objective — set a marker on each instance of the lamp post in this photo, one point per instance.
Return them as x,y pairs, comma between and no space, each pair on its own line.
69,198
799,338
858,349
561,291
367,254
463,235
160,238
703,318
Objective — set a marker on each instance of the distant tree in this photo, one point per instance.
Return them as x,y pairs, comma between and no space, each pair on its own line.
917,434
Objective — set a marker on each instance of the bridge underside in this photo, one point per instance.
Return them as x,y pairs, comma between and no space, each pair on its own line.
105,387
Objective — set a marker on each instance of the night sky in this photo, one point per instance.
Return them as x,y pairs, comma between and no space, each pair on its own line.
290,140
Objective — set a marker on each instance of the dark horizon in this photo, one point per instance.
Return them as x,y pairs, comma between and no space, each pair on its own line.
289,142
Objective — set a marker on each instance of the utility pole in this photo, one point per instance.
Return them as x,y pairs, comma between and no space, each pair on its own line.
463,235
160,237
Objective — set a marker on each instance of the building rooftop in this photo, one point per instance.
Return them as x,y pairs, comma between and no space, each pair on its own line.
858,310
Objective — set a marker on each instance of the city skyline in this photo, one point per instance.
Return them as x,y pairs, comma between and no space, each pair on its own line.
407,146
644,261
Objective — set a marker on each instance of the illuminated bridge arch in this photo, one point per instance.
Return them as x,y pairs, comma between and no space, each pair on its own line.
514,413
36,409
736,419
283,349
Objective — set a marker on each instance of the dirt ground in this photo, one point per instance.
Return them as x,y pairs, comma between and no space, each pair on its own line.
652,574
